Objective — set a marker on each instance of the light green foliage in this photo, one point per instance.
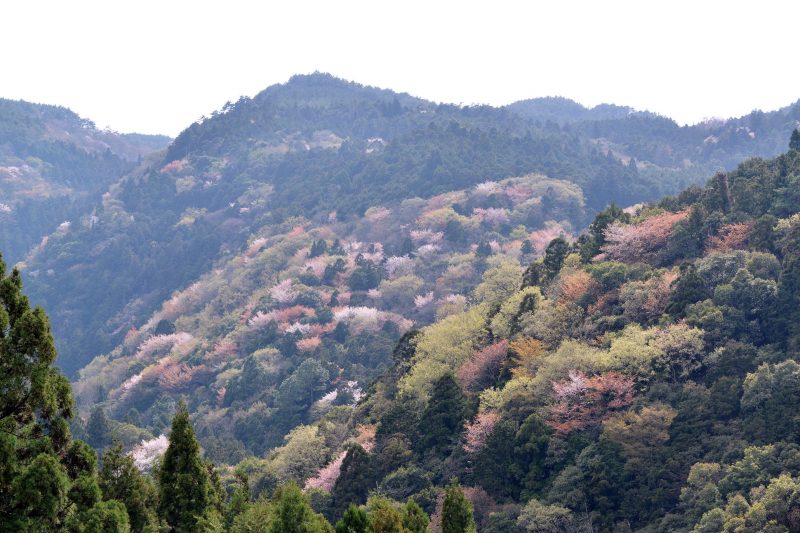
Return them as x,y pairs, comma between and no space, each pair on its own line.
442,347
676,351
552,322
302,455
508,318
537,517
288,511
384,516
354,520
498,283
414,518
399,292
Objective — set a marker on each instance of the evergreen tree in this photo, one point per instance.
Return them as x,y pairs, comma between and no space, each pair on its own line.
44,475
554,256
794,142
240,501
183,480
121,480
384,517
98,429
442,422
689,288
292,513
457,511
354,520
354,479
414,518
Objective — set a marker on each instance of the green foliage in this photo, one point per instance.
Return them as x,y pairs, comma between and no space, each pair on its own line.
98,429
414,518
184,485
354,481
442,421
120,480
457,514
354,520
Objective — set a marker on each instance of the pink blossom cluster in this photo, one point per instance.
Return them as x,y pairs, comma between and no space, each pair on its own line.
146,452
283,292
426,236
421,300
487,188
632,243
160,344
327,476
478,430
397,266
492,215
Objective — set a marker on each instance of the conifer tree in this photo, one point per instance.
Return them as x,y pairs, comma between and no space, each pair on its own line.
121,480
443,419
354,479
46,478
98,429
414,518
354,520
457,511
689,288
794,142
183,479
291,512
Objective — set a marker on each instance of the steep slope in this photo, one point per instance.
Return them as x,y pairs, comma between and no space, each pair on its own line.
308,313
286,152
639,378
53,164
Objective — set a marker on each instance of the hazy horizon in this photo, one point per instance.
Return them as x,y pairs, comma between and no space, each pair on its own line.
150,67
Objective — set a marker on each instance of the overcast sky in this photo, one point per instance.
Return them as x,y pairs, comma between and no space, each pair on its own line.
156,66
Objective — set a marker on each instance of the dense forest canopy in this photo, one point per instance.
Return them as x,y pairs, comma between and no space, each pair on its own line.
332,307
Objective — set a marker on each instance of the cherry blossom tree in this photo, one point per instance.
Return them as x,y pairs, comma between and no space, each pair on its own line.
639,242
583,402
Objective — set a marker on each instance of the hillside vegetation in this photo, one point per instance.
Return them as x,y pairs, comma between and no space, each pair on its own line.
53,166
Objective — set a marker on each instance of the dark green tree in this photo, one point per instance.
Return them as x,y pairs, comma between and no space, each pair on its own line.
184,486
554,256
121,480
240,500
44,474
291,512
794,142
689,288
442,421
354,481
98,429
457,511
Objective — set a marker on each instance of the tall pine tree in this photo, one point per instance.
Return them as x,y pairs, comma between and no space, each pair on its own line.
183,480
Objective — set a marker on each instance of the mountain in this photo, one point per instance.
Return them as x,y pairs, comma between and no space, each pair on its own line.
366,294
638,377
286,152
53,166
659,143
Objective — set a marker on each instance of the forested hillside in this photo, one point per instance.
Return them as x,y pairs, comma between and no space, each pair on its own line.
313,147
287,152
639,377
53,166
659,144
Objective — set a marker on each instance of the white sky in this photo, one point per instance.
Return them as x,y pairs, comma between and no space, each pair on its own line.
156,66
